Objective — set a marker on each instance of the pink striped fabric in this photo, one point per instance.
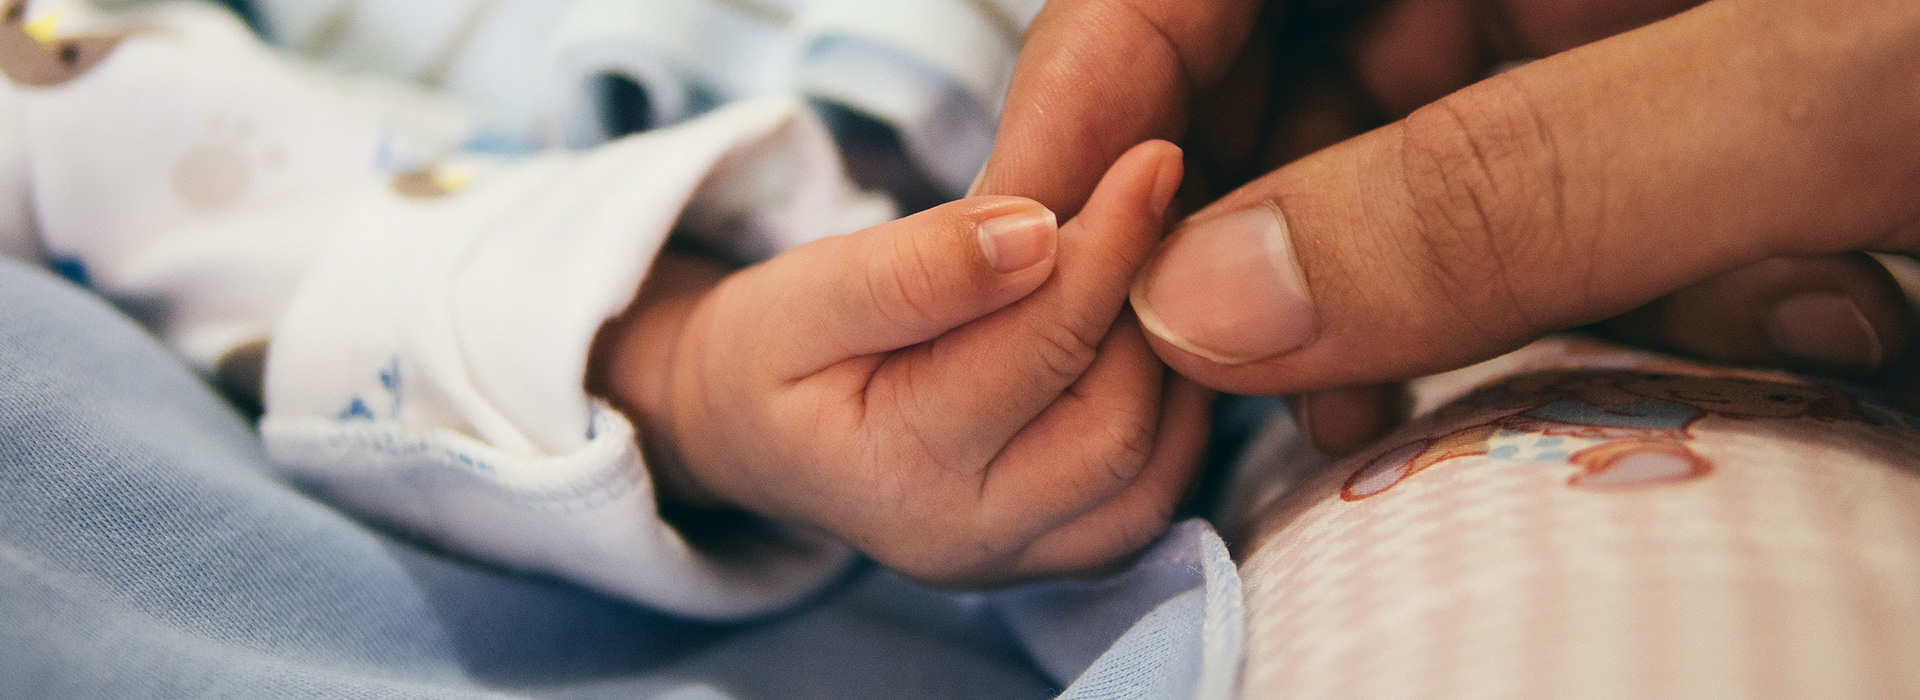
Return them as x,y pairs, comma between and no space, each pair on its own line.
1594,524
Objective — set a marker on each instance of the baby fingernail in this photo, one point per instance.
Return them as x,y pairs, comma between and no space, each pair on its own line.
1015,242
1228,289
1825,328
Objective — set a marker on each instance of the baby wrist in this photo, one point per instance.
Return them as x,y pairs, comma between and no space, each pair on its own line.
633,362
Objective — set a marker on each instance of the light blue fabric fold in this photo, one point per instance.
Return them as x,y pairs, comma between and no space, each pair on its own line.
146,552
1172,626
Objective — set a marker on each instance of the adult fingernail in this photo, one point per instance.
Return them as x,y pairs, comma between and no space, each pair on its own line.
1014,242
1825,328
1228,289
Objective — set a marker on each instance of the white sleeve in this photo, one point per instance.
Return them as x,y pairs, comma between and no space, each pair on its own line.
935,70
429,371
181,169
429,314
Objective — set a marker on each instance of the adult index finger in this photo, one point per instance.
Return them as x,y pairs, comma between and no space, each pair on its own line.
1096,77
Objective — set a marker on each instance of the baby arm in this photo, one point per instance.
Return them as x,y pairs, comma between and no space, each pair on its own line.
957,393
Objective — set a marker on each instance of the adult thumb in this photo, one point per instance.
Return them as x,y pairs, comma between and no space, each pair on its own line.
1561,193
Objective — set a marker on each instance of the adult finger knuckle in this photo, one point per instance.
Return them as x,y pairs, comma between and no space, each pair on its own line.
1487,188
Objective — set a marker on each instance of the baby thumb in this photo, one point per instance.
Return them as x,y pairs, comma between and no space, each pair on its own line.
906,281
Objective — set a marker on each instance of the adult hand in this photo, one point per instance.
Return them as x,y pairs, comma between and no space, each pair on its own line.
1703,180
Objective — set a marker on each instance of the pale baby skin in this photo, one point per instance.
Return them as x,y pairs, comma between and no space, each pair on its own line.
961,393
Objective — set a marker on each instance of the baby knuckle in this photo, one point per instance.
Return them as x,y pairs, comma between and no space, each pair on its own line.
1064,351
1121,450
903,289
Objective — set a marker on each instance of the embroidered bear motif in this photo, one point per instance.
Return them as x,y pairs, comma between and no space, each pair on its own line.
1634,425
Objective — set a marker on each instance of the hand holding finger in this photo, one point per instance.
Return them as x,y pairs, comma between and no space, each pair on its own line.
1551,196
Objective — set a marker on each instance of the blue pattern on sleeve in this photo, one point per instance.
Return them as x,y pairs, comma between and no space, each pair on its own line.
356,410
389,375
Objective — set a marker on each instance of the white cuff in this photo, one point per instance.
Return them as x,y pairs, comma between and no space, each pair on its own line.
588,516
429,371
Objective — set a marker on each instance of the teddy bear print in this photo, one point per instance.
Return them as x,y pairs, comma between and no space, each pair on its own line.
33,54
1631,428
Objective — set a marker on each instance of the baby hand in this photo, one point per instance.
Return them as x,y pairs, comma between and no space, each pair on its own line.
957,393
